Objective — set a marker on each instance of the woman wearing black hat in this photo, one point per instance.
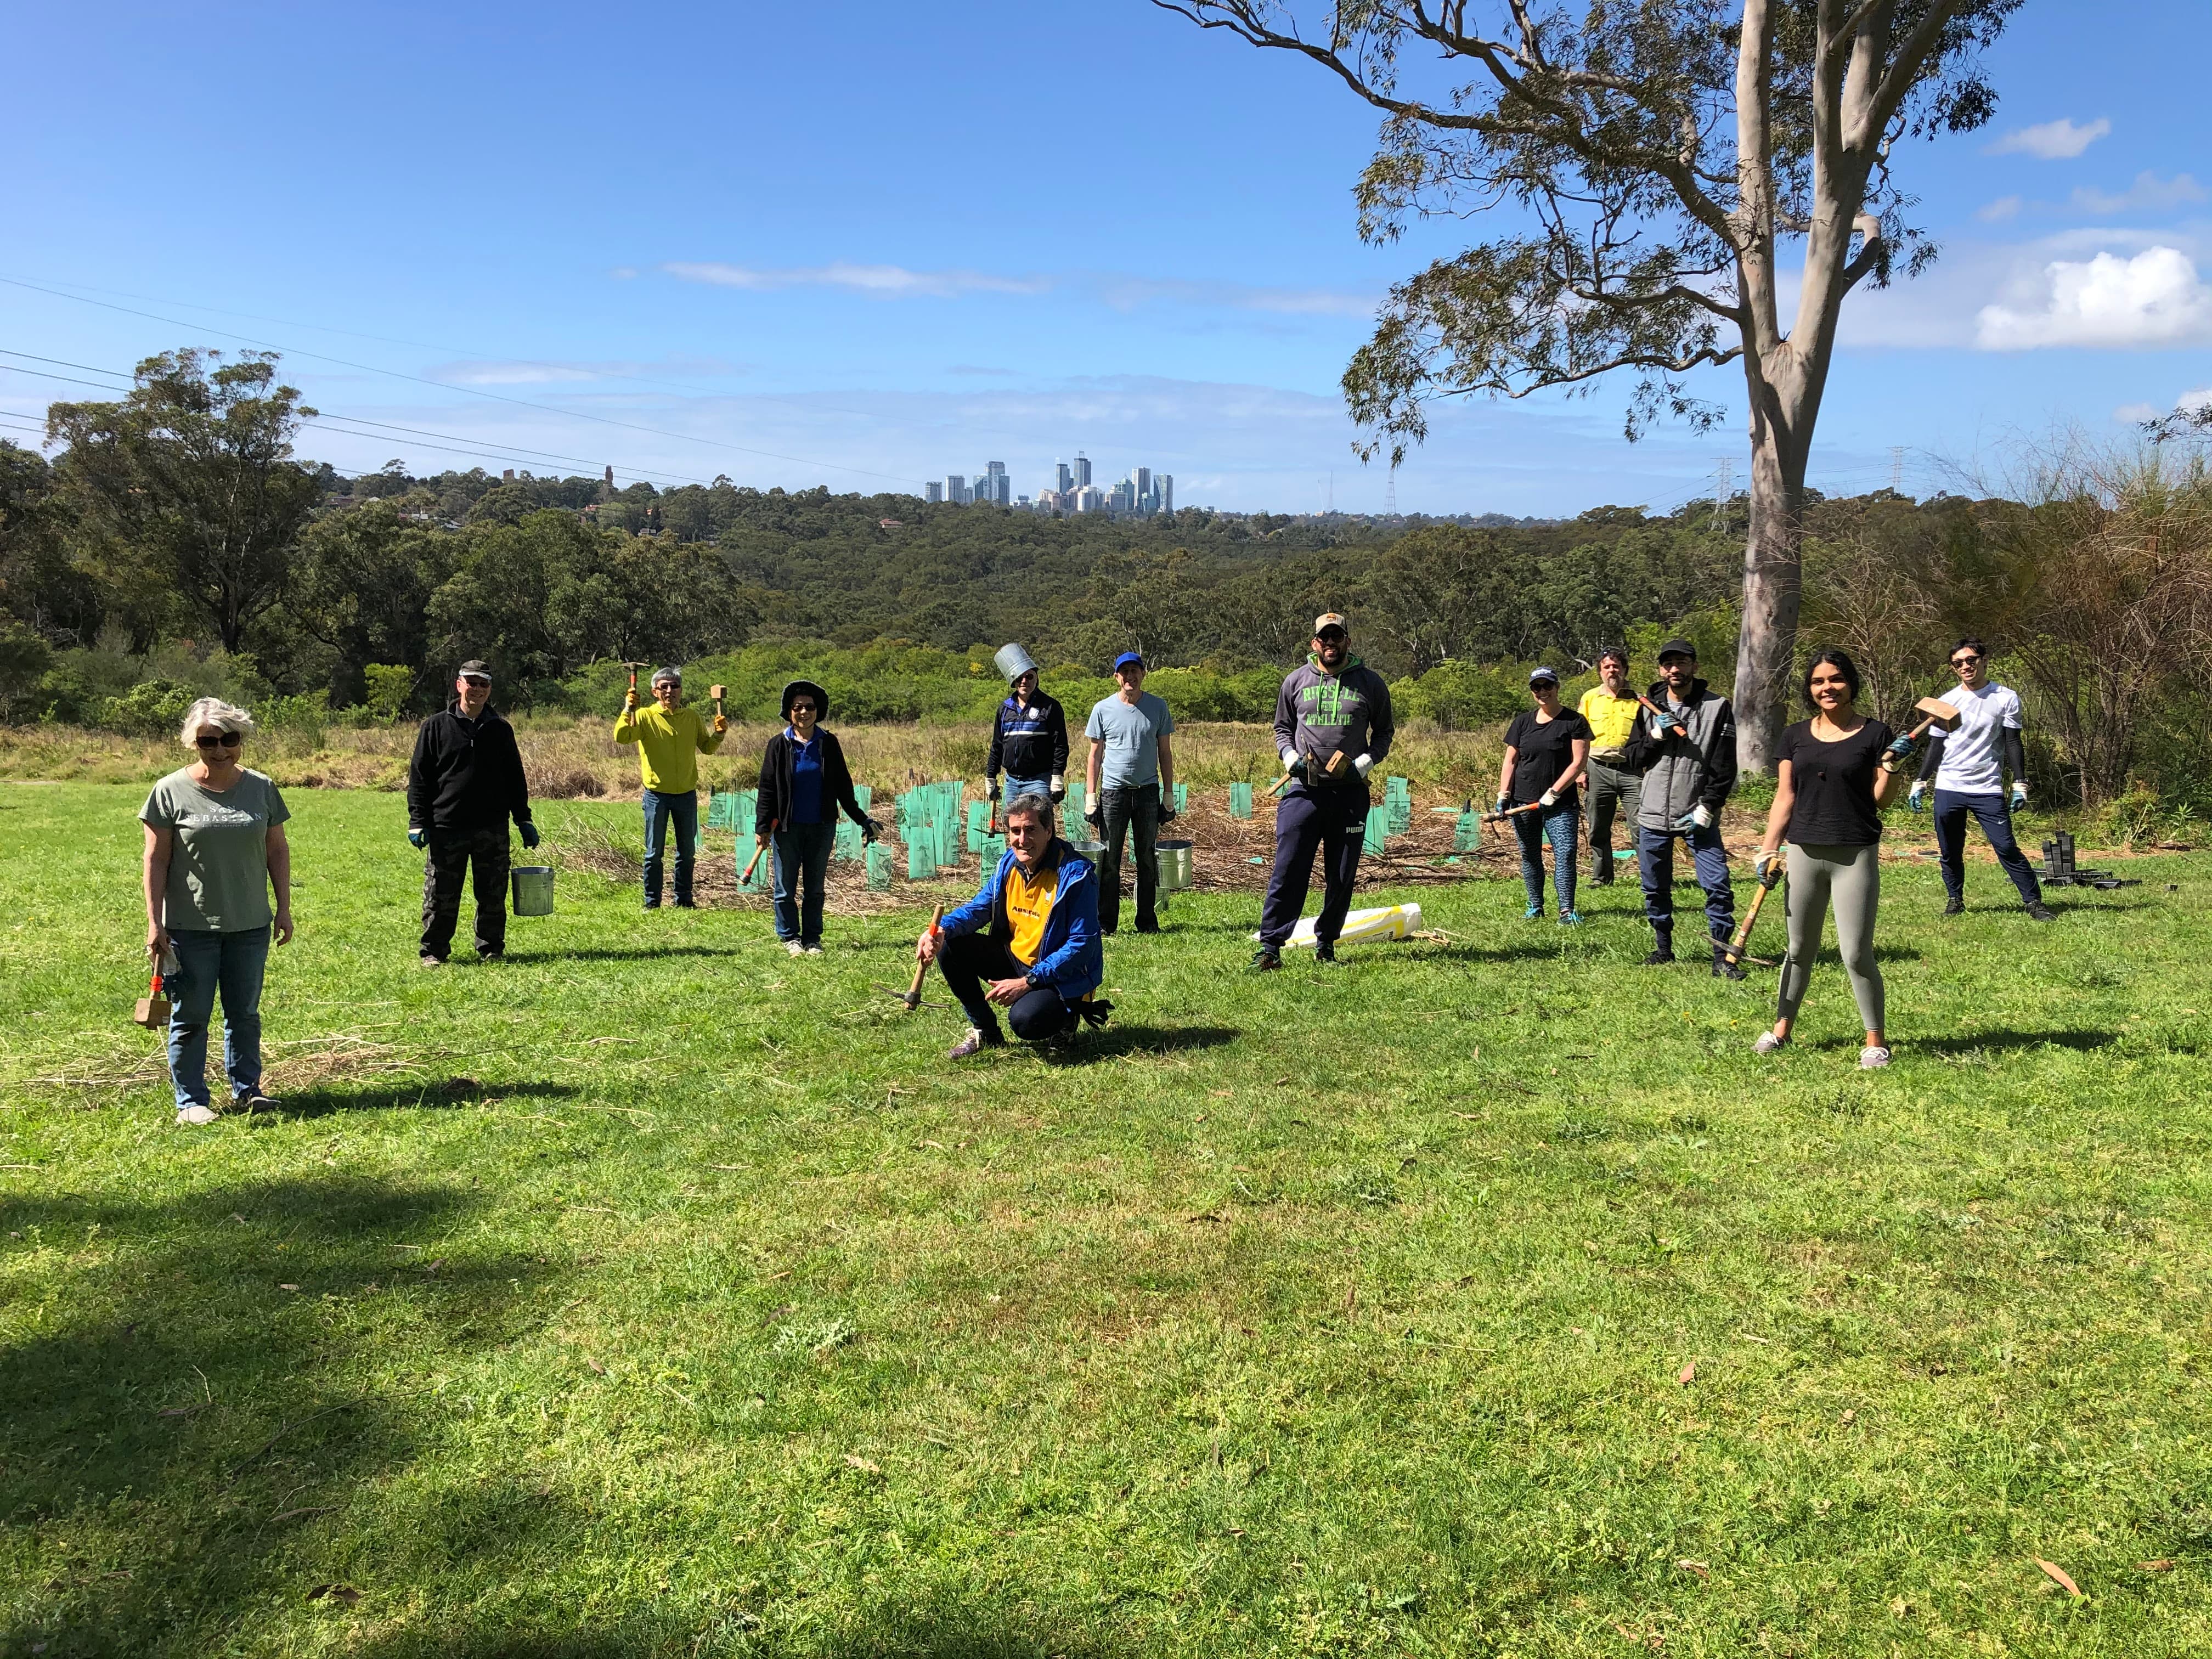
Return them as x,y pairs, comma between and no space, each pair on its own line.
803,782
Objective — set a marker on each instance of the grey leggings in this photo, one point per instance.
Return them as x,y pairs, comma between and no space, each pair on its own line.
1852,876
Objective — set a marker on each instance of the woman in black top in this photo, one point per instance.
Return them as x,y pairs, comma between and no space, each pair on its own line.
1547,751
1833,775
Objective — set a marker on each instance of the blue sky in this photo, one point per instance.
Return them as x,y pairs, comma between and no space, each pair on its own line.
867,244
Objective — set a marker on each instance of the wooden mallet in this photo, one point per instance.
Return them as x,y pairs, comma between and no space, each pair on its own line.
153,1010
718,692
913,997
1935,712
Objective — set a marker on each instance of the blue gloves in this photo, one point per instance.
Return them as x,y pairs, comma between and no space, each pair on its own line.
1700,817
415,835
1666,722
1918,798
1504,801
530,836
1900,747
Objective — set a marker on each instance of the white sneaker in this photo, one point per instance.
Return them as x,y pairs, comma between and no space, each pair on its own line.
195,1116
1873,1060
1767,1043
791,947
812,949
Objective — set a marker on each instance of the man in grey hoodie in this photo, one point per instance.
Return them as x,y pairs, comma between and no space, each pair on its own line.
1332,724
1685,747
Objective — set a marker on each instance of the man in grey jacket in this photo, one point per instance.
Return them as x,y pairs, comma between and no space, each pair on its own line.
1332,724
1685,747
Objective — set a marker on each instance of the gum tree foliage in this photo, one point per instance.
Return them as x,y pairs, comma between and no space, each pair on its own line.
1659,160
189,482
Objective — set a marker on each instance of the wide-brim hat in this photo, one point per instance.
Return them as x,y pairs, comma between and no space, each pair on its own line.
821,698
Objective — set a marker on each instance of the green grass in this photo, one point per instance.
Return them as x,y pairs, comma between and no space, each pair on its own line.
680,1300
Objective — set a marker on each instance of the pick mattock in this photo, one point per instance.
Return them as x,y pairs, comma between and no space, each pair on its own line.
634,667
1732,952
753,863
913,997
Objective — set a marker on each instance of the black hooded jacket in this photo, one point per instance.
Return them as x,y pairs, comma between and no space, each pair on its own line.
466,774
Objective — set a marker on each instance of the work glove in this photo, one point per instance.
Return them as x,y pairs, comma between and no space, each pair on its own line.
1504,801
1167,814
990,789
1765,860
1700,817
1095,816
1900,747
1057,788
721,723
1665,722
2019,795
530,836
416,836
1917,798
1549,798
1363,764
869,830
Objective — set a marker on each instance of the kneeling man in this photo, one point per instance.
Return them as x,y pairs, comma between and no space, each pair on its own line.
1029,942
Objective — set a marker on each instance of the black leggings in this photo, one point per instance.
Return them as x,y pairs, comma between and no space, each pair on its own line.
972,958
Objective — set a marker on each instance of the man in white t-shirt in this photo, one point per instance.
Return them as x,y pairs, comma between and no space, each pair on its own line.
1968,767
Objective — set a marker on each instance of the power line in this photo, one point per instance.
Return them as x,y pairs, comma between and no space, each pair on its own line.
471,392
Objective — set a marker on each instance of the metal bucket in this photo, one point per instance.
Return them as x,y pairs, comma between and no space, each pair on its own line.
1174,860
533,890
1093,850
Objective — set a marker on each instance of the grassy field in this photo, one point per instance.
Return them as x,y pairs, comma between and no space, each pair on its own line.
654,1293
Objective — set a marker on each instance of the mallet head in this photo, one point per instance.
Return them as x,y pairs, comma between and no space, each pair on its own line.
1938,713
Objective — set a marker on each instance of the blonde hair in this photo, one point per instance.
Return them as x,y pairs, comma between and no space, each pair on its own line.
214,711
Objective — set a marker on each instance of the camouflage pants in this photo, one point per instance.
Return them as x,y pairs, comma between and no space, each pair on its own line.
453,854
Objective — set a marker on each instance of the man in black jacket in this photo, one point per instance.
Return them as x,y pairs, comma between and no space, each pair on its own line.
1028,734
464,783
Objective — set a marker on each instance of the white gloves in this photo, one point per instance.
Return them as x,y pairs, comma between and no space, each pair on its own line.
1763,860
2020,794
1290,758
1363,764
1702,814
1549,798
1057,787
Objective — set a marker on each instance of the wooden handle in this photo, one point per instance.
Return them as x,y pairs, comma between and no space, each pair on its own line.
1734,951
913,998
1276,787
757,850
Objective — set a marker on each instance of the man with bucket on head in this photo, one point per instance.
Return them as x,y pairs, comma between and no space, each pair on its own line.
1028,942
1131,789
1333,724
1028,734
669,738
1685,748
464,783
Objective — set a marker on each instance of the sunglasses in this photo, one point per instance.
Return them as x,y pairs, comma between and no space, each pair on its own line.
802,709
227,740
1964,657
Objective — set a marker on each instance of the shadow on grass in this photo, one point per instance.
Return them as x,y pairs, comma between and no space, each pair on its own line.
1117,1040
1545,950
2081,1041
329,1099
190,1404
628,953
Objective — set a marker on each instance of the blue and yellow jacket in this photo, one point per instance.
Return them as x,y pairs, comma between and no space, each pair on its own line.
1072,961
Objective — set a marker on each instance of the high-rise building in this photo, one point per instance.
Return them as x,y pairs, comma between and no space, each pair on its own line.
1063,480
1088,498
932,491
955,488
995,485
1142,477
1082,471
1165,483
1124,498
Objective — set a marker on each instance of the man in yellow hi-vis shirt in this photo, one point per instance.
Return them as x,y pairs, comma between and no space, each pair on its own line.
1610,707
670,740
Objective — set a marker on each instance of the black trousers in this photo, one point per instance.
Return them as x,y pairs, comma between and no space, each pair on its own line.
972,958
1332,820
1134,813
454,854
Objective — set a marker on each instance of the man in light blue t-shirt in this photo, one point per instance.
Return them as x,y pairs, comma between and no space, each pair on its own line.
1132,789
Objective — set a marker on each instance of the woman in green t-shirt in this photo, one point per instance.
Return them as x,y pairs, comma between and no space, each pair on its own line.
214,847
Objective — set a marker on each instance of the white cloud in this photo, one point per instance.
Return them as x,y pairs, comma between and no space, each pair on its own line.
2148,190
2156,298
877,281
2004,207
2052,141
2135,414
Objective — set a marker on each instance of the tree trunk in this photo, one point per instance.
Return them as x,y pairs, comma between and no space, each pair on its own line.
1772,582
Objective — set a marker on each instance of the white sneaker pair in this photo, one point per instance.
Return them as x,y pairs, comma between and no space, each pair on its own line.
1871,1058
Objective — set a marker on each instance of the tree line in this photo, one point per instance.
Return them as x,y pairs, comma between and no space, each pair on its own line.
178,541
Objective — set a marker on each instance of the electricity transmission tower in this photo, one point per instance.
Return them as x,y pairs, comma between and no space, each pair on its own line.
1724,493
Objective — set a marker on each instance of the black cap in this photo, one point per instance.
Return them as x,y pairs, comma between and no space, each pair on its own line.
475,670
1677,648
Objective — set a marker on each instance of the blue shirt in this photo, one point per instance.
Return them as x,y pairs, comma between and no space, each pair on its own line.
806,780
1132,736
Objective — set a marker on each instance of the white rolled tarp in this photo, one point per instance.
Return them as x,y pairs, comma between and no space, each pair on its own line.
1363,926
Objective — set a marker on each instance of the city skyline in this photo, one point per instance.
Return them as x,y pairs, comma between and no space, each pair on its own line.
1141,493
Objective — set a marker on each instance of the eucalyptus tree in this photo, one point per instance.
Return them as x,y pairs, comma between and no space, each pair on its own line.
1658,158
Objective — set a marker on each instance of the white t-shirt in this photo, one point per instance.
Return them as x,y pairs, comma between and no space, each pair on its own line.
1972,755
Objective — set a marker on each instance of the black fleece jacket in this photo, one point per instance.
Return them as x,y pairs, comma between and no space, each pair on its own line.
777,763
466,775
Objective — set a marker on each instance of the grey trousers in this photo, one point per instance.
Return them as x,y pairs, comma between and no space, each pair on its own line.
1851,877
1610,789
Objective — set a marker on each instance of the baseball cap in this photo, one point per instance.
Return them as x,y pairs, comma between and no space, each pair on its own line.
1128,659
1677,648
1329,619
1536,674
473,669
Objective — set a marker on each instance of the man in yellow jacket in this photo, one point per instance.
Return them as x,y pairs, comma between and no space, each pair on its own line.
670,740
1611,708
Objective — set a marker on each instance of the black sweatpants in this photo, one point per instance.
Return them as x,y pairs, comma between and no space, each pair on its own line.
971,959
453,854
1331,819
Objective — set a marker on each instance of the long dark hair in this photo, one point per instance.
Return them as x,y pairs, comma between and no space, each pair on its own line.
1842,663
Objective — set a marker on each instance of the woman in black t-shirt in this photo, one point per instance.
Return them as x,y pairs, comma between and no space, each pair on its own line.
1547,751
1833,775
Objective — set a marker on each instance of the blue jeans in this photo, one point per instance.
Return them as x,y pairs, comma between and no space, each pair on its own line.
1995,819
1655,861
661,810
1560,824
802,864
1027,786
207,963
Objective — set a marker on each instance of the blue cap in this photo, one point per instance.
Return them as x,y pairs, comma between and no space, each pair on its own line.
1126,659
